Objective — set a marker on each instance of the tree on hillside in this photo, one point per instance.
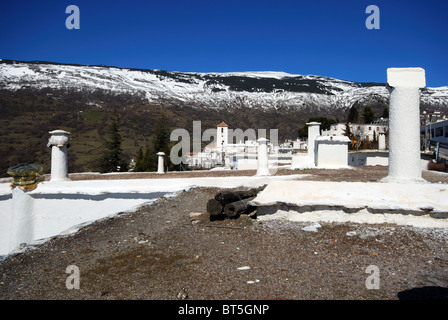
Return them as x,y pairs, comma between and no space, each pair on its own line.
325,124
139,166
112,158
347,132
352,114
385,113
161,139
147,161
368,115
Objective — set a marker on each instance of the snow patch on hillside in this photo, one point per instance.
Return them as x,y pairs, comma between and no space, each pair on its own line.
268,89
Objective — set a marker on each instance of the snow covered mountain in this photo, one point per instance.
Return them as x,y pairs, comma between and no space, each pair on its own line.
266,90
38,97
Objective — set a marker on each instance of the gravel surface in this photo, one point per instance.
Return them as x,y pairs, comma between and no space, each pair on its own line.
155,251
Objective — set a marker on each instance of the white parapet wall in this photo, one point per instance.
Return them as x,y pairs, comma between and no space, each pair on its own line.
378,158
301,161
328,153
56,208
407,199
368,158
332,152
247,164
252,164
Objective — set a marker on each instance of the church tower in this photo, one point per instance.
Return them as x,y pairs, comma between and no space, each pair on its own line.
222,135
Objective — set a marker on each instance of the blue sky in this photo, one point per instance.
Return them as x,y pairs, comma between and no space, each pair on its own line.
326,37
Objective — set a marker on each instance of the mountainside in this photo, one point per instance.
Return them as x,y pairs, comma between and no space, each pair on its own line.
37,97
268,90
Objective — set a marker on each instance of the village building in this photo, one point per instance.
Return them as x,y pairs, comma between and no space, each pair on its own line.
435,135
437,131
366,132
292,146
228,153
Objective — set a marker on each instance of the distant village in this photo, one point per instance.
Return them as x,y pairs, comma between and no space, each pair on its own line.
242,155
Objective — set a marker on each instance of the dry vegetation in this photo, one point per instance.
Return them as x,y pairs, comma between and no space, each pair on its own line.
159,249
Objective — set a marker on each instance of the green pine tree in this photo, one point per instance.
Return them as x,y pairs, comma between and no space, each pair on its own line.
368,115
161,138
139,161
112,158
325,124
162,143
149,160
352,114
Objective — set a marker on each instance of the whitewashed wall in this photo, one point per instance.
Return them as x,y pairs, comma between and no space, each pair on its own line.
332,152
54,207
45,215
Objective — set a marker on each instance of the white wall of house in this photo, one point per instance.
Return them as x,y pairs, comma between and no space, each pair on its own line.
364,131
437,131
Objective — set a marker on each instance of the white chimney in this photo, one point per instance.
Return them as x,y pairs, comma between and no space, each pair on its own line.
160,163
263,164
313,133
59,166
